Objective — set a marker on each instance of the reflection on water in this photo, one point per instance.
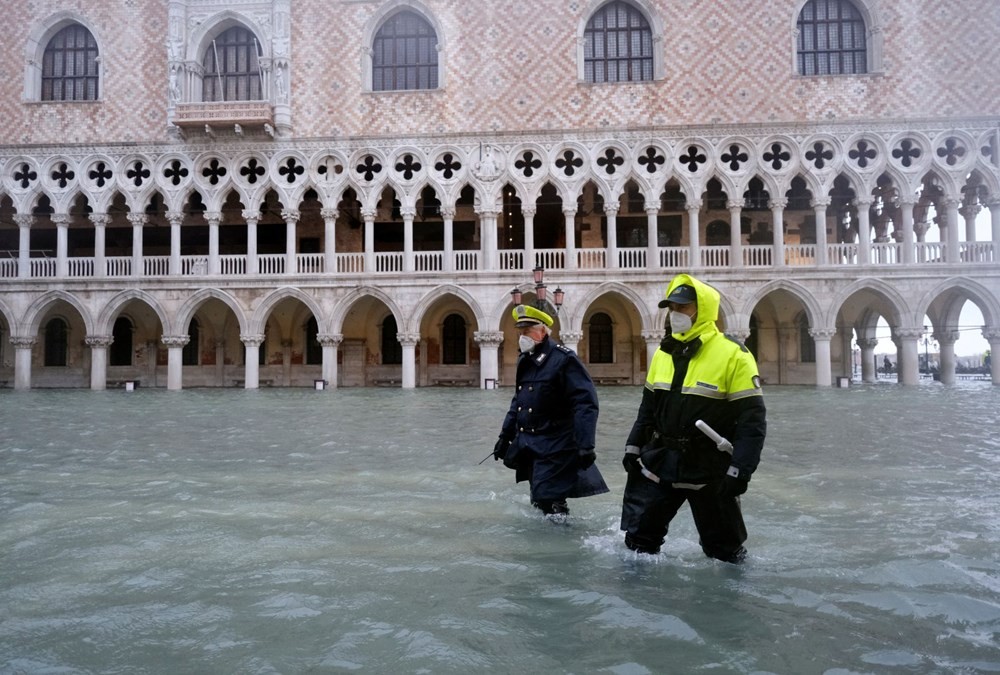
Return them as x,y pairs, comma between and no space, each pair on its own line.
288,531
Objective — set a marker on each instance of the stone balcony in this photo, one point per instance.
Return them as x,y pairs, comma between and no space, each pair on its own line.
247,114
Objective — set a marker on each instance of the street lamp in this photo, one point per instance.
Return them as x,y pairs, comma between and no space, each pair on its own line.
541,294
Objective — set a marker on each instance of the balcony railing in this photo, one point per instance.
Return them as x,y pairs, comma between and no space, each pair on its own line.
396,262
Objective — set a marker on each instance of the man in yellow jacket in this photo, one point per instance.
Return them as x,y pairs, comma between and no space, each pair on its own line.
697,374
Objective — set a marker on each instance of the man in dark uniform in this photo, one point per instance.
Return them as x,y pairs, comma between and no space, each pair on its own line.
548,433
697,374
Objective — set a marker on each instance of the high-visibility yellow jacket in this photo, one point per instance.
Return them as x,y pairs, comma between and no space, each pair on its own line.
700,375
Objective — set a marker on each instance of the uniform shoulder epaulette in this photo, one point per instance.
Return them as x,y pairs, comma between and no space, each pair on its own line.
565,349
743,347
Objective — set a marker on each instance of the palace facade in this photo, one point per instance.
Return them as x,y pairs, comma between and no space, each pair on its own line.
251,193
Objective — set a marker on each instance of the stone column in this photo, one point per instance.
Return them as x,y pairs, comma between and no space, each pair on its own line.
61,221
611,216
652,338
286,363
98,360
693,207
138,221
994,206
652,236
528,211
408,212
252,218
23,345
819,208
409,342
291,218
569,218
329,240
863,206
969,212
822,337
488,238
175,359
448,216
909,237
24,222
175,218
946,351
100,221
992,335
220,361
489,362
213,218
777,207
251,366
330,343
369,216
909,350
867,346
950,219
735,207
570,338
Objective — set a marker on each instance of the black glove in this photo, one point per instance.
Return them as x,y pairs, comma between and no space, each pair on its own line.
500,449
631,462
587,457
734,483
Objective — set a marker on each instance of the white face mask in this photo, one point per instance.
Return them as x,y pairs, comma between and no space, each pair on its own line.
525,343
680,323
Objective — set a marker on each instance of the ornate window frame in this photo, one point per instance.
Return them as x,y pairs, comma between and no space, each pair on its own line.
34,54
375,22
873,36
201,40
655,25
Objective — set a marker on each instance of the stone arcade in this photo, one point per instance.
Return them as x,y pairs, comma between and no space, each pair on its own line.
219,194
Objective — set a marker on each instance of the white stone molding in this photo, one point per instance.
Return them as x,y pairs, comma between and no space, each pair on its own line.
329,339
408,339
252,340
104,341
177,340
488,338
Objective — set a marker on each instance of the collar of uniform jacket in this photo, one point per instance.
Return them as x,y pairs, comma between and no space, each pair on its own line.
541,351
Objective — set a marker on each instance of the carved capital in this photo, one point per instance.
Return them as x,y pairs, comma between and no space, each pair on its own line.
528,210
24,219
909,333
408,211
867,343
652,336
946,337
99,219
820,202
573,336
369,214
569,210
175,217
735,204
822,333
175,340
447,211
98,341
250,215
652,210
290,215
408,339
693,205
23,341
329,339
777,203
60,219
611,208
970,210
252,340
488,338
213,217
991,335
740,334
137,219
328,214
863,202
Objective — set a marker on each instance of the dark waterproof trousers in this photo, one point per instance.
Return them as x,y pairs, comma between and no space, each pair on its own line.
648,508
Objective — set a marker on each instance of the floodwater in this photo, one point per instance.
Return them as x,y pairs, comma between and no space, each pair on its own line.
301,531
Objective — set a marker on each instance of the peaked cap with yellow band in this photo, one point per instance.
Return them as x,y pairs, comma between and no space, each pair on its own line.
526,315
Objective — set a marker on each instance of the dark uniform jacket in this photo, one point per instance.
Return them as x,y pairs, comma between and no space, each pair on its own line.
700,375
552,416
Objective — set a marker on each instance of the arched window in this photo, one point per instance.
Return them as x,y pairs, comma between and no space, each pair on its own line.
392,351
453,340
807,346
191,353
602,339
717,233
232,72
618,45
314,350
56,342
69,66
832,39
404,54
121,348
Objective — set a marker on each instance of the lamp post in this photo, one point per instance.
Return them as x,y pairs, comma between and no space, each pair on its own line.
541,294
